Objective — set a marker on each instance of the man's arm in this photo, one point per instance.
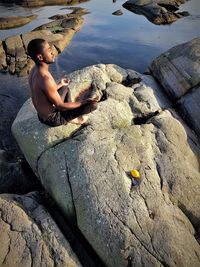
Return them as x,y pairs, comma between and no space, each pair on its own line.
49,87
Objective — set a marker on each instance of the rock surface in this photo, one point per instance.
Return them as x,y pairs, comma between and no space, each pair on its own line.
178,70
157,11
14,22
13,51
29,236
3,63
86,170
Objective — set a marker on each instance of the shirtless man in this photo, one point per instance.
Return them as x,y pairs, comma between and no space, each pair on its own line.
53,101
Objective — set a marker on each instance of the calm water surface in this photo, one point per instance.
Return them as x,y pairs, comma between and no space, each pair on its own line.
130,41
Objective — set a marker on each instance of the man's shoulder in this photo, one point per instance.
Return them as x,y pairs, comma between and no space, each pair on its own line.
46,81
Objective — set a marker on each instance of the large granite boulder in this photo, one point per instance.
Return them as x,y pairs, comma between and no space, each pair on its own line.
15,21
29,236
178,70
59,32
150,222
157,11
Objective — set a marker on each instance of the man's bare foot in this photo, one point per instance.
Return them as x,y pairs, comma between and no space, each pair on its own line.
80,120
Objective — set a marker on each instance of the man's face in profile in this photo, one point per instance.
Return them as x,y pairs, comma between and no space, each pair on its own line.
47,55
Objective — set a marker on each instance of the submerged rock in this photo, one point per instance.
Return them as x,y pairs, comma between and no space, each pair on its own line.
29,236
14,21
85,169
157,11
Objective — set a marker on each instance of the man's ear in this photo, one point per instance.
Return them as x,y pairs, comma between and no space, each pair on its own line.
39,57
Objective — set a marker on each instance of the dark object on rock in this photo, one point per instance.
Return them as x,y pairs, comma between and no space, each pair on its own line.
144,119
158,12
130,260
131,81
118,12
104,96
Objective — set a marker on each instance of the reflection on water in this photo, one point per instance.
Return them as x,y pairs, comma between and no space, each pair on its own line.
130,40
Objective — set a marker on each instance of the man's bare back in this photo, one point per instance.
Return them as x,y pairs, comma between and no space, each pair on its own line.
40,101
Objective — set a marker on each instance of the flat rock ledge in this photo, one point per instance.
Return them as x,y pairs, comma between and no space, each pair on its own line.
59,32
157,11
29,236
15,21
86,169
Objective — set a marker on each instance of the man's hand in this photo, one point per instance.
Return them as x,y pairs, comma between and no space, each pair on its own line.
63,82
89,101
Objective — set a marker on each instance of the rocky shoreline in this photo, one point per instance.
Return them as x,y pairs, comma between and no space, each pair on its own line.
137,125
59,32
157,11
34,3
147,122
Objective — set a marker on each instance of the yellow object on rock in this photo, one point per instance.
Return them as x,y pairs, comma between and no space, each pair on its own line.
135,174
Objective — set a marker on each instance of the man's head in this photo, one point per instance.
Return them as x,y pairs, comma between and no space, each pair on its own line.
40,51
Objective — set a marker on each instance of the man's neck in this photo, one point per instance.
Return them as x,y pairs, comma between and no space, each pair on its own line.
43,66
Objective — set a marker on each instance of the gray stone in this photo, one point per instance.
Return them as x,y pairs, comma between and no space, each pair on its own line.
190,109
118,12
178,69
61,24
29,236
86,170
14,47
156,11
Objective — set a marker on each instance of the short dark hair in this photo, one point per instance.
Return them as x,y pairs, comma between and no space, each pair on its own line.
34,48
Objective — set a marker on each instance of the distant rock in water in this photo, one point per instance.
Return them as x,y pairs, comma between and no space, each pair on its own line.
14,22
59,32
35,3
157,11
85,168
118,12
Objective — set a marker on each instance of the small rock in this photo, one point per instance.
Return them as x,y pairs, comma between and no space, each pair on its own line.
118,12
